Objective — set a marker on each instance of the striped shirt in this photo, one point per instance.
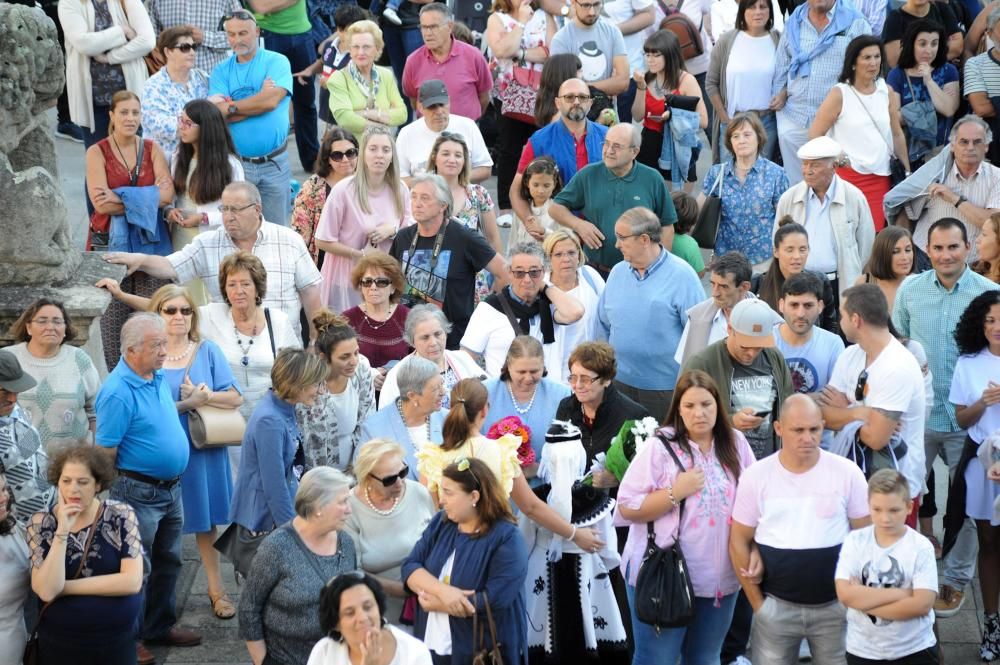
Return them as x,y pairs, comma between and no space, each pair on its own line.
928,313
203,14
982,74
982,189
289,266
24,464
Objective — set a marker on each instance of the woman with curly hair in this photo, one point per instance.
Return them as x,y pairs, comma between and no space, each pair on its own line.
976,395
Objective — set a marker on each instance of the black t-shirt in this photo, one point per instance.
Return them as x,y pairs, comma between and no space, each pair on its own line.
451,284
897,21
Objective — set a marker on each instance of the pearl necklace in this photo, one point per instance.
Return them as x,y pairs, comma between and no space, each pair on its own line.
513,400
371,322
402,416
187,350
371,504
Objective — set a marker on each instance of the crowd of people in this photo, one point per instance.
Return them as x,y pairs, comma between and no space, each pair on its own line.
419,442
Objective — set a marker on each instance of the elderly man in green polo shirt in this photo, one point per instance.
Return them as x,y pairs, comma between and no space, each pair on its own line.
603,191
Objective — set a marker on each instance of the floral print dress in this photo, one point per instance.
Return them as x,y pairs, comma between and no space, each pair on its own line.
478,202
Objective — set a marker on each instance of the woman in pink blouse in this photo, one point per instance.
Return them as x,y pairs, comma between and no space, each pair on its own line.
691,506
362,212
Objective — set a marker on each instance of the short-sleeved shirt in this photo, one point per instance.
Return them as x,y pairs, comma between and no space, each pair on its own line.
906,564
754,386
801,520
603,197
289,266
450,283
465,73
982,74
258,135
596,47
943,75
973,374
139,418
811,364
619,11
415,140
897,21
686,248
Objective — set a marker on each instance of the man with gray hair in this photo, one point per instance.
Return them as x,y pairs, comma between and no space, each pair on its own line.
461,66
529,305
138,425
440,257
643,310
605,190
293,282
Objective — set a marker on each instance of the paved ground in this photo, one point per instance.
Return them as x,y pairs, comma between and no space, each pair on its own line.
960,635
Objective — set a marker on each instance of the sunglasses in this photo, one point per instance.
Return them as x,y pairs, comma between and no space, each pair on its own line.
171,310
390,480
185,48
338,156
859,389
534,273
241,14
380,282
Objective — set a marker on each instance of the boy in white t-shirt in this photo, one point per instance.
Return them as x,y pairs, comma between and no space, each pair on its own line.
887,578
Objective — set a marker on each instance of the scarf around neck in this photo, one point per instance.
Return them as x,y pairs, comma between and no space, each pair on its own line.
523,313
844,14
370,91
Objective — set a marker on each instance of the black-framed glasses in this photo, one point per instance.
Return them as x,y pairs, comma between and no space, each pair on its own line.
235,209
170,310
575,98
338,155
380,282
534,273
185,48
859,389
391,479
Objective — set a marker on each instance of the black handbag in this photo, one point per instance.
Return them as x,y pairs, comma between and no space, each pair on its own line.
239,545
707,227
664,595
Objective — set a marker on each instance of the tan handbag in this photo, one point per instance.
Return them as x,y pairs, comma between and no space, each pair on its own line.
487,652
211,426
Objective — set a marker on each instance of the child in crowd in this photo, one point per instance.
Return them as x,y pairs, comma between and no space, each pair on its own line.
540,182
887,578
390,12
685,247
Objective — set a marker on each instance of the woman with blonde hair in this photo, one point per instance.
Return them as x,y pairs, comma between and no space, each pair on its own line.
362,213
988,249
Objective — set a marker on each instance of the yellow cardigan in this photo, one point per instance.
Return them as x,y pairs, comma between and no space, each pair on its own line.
346,99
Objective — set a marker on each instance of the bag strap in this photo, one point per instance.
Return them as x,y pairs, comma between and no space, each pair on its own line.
892,151
187,368
270,330
490,623
718,180
590,280
509,311
650,534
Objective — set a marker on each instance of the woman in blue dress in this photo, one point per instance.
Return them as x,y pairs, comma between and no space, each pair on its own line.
199,375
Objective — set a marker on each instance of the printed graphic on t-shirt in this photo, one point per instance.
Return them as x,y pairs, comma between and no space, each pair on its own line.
883,572
754,387
594,61
421,283
805,378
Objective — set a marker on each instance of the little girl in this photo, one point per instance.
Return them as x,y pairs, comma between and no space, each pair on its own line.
540,182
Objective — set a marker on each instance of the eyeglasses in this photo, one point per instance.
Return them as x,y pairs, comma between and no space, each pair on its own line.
572,254
171,310
380,282
390,480
582,380
588,6
615,147
233,209
338,156
431,28
534,273
859,389
573,99
622,238
185,122
185,48
44,322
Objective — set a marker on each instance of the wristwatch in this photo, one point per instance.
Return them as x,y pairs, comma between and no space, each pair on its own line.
233,110
960,201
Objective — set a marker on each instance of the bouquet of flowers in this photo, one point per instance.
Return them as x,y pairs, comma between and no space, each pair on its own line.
514,425
630,439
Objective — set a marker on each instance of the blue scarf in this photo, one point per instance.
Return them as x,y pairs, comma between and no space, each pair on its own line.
844,15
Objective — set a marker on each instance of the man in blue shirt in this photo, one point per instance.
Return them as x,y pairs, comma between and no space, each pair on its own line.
643,310
252,89
137,422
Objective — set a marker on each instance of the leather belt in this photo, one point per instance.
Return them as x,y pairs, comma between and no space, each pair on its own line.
266,158
149,480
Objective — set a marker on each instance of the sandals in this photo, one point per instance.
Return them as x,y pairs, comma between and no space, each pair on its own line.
937,546
222,606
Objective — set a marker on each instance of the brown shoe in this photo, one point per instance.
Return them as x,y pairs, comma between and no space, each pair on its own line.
144,656
949,601
180,637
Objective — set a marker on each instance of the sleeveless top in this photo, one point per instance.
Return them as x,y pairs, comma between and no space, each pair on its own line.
864,143
657,106
118,176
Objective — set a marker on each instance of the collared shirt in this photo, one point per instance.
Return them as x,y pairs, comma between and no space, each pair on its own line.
982,189
464,71
822,244
24,464
651,268
162,100
927,312
202,14
289,267
138,417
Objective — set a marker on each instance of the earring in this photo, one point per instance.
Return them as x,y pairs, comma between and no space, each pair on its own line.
473,504
319,514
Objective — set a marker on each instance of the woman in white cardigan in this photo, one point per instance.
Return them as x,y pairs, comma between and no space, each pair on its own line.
115,34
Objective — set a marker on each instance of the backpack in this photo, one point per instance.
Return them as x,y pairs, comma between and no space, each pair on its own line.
688,34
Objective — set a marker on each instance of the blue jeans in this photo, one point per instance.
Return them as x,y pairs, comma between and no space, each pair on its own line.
770,148
273,178
161,516
301,53
697,644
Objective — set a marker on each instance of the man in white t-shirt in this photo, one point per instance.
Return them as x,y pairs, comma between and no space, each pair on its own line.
636,20
797,505
879,382
415,140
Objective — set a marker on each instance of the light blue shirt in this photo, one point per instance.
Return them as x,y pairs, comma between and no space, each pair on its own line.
822,244
258,135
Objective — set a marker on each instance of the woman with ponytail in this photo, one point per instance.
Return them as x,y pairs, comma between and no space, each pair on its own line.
331,426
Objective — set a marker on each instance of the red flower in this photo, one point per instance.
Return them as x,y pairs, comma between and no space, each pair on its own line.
514,425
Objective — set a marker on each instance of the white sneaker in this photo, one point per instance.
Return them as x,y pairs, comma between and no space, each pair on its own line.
741,660
804,652
390,14
505,220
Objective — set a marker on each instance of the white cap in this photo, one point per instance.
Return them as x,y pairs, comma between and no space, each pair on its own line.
752,322
821,147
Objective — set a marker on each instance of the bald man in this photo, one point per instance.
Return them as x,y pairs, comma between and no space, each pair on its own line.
797,505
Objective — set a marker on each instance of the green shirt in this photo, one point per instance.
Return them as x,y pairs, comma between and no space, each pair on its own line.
686,247
602,197
291,21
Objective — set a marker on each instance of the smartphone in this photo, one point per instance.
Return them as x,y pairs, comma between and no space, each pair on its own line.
761,414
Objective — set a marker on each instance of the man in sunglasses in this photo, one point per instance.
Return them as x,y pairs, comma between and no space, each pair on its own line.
417,138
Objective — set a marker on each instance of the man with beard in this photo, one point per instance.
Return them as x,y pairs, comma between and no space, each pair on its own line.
809,351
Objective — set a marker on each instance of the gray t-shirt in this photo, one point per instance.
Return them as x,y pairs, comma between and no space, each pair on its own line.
596,46
754,386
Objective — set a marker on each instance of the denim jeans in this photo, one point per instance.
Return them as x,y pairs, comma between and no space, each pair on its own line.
161,516
960,564
779,628
300,52
273,178
697,644
770,148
